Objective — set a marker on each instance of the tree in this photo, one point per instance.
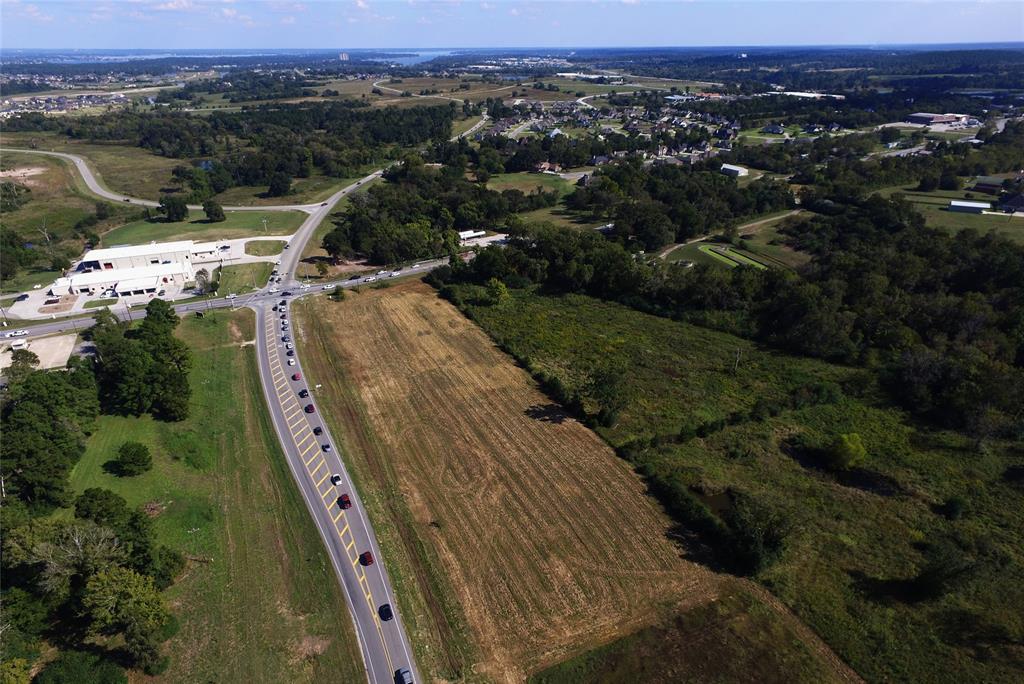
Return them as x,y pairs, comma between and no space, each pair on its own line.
497,291
338,294
280,185
214,212
102,506
120,600
133,458
23,362
174,208
322,268
846,451
202,279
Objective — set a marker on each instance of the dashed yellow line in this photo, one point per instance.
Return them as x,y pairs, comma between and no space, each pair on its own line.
341,512
311,458
350,544
342,533
326,494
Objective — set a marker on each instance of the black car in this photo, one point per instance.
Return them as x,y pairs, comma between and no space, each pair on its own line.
284,315
275,308
326,448
403,676
282,302
290,352
355,277
286,338
303,393
286,293
318,430
385,612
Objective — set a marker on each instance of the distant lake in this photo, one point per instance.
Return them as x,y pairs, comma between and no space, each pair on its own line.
414,57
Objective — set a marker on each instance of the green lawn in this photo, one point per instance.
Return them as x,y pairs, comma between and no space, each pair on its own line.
264,247
529,182
243,277
237,224
934,207
854,542
26,280
258,601
463,125
100,303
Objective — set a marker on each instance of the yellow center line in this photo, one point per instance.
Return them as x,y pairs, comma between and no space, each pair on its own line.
314,471
291,426
350,545
295,434
342,533
327,494
307,450
355,562
341,512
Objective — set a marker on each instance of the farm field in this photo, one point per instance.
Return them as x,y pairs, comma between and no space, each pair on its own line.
122,168
258,600
504,522
859,547
237,224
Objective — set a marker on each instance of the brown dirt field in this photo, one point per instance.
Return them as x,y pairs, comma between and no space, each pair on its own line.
484,493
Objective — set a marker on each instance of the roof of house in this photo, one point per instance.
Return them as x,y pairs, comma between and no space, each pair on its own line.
732,167
988,180
970,205
138,250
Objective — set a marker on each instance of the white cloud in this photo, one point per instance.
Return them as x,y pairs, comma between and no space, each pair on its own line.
229,13
288,20
514,11
362,4
34,13
175,6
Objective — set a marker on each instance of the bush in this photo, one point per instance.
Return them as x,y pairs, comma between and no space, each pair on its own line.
133,458
847,451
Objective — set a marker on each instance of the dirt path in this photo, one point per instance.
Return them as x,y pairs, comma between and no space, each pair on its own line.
746,227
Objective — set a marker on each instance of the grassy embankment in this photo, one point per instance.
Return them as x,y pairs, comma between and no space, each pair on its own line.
856,556
258,601
237,224
243,277
514,536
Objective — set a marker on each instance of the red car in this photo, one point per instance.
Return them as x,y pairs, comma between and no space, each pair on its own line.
310,408
296,376
344,502
366,558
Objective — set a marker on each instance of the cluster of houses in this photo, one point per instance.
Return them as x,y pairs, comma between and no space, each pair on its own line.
58,103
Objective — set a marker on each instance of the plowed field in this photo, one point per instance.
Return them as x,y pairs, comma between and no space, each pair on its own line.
515,536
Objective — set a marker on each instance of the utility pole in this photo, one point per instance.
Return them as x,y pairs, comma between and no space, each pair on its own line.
264,219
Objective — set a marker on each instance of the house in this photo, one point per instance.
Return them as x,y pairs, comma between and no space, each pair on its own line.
555,133
733,170
969,207
547,167
988,184
774,129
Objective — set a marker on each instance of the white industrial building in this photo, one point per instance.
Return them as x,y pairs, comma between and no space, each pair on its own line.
134,256
734,171
123,282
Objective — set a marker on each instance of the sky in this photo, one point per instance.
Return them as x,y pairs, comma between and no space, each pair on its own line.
341,24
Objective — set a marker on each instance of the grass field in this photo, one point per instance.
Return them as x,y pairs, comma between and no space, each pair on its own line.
855,542
304,191
514,535
264,247
528,183
237,224
933,206
123,168
258,601
57,202
243,277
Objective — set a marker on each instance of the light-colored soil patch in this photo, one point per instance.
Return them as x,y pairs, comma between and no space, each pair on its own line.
65,304
53,352
543,538
24,175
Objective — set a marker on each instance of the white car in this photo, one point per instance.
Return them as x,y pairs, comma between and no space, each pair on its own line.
382,272
289,346
415,266
291,362
17,333
273,290
327,287
369,279
231,296
304,286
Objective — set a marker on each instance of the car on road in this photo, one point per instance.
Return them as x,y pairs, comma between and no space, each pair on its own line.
17,333
382,272
415,266
385,612
296,376
286,293
310,408
335,479
403,676
290,352
291,362
231,296
369,279
286,245
289,345
318,431
283,316
355,277
283,302
327,287
286,338
304,286
303,393
272,290
326,448
365,558
344,503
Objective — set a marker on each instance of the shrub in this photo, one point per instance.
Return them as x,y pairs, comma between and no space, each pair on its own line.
76,667
133,458
846,451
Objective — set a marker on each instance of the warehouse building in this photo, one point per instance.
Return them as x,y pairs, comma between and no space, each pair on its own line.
124,282
135,256
929,119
